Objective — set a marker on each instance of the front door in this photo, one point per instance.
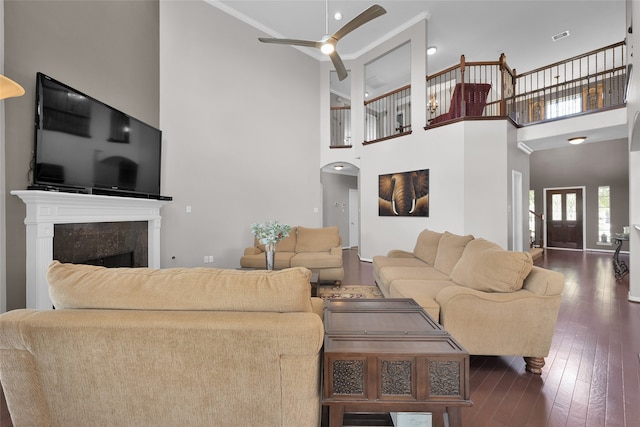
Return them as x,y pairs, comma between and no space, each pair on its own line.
564,218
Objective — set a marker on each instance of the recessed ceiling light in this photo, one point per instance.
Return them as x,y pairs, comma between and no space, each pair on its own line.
338,167
431,50
577,140
337,16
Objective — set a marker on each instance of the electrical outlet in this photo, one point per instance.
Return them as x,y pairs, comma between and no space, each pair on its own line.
206,259
211,258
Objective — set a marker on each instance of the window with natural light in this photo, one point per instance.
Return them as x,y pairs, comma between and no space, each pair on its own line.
604,215
572,213
532,216
556,207
564,107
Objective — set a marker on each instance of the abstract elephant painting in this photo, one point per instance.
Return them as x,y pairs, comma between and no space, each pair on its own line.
404,194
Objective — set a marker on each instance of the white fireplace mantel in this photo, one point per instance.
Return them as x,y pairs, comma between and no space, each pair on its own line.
47,208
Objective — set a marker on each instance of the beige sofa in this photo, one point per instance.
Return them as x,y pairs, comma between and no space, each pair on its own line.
174,347
493,301
319,249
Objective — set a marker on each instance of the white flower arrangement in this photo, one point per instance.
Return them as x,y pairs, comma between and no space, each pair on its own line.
269,233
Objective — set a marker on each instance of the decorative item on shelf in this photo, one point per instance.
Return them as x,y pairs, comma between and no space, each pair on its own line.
432,104
269,234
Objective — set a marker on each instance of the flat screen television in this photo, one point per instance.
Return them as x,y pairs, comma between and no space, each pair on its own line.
83,145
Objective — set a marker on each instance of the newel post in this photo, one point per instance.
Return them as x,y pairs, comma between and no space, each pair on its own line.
463,106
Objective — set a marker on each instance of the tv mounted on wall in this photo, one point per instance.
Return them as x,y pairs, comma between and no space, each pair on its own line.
83,145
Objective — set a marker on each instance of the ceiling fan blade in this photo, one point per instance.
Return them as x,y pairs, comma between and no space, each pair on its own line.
339,65
366,16
295,42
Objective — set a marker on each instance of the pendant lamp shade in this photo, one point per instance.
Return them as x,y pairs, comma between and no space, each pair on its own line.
9,88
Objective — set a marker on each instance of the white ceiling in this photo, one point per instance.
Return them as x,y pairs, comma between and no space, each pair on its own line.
479,29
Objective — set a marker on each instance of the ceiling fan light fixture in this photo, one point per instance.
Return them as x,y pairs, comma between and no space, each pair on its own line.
327,48
328,43
577,140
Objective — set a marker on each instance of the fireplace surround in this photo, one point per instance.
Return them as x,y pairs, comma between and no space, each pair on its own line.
47,208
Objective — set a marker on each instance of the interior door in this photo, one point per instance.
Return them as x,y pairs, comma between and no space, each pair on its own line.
564,218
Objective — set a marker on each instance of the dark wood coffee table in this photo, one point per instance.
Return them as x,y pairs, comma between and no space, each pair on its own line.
389,355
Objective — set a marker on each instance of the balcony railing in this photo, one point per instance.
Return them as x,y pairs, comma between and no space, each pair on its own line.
388,116
585,83
340,127
469,90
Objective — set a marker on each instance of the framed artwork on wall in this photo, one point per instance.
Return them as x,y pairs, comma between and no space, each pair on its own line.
404,193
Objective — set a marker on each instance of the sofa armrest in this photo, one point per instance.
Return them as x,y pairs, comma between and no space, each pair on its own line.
445,296
544,282
317,306
252,251
337,251
519,323
399,253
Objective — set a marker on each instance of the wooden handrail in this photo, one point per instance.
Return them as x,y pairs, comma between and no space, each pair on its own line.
568,82
464,64
555,64
369,101
540,216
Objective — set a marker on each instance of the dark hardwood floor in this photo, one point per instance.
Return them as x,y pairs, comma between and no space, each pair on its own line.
592,374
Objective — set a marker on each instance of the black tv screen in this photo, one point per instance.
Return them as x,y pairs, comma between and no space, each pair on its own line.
87,146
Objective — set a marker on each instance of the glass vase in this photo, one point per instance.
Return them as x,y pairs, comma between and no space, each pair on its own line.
270,255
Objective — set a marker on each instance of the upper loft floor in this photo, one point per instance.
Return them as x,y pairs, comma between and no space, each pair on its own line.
588,83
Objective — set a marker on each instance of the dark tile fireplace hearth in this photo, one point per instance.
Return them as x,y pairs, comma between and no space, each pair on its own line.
111,244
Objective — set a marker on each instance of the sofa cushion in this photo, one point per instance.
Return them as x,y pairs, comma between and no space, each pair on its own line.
316,260
487,267
450,248
427,246
317,239
389,274
423,292
288,244
381,261
86,286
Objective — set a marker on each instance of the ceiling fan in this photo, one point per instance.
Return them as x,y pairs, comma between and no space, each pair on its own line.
328,43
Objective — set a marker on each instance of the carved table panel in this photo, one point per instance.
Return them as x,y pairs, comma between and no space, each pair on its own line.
388,355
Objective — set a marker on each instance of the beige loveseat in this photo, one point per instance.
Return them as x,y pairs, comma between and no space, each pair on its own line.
174,347
493,301
318,249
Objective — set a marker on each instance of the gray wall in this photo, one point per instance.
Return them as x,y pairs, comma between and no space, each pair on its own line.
241,129
106,49
590,166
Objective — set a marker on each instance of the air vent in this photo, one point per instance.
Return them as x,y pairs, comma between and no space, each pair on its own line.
560,36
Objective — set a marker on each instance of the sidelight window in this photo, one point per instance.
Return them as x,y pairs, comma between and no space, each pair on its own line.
604,214
532,217
556,207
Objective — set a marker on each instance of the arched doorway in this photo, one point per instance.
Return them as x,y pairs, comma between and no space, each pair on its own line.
340,200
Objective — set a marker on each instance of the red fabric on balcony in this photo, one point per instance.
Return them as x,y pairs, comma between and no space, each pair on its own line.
475,95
